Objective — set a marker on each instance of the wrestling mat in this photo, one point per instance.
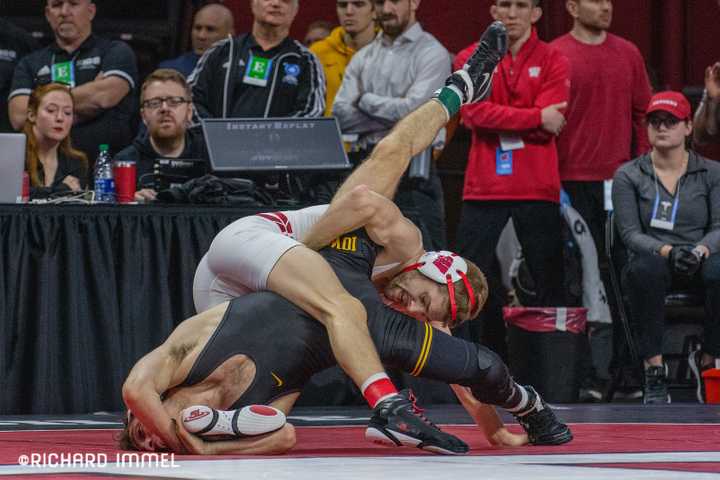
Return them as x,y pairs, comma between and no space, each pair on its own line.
618,441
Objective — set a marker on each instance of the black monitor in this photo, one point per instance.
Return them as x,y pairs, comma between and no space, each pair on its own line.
274,145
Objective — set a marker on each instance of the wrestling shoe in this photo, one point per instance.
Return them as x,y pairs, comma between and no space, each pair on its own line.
474,79
212,424
541,424
397,421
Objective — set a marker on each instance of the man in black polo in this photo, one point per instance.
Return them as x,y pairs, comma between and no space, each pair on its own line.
101,73
260,74
15,43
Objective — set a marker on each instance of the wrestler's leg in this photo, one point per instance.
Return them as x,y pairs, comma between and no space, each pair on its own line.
416,132
304,277
423,351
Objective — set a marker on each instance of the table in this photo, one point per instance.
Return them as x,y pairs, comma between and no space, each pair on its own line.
87,290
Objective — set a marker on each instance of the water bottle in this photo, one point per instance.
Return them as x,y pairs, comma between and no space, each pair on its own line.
104,181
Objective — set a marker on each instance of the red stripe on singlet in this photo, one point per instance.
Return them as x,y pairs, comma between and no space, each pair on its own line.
279,219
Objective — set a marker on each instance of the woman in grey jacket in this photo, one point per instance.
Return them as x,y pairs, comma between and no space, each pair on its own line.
667,211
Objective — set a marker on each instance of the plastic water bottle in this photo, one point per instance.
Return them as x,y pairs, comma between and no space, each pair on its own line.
104,181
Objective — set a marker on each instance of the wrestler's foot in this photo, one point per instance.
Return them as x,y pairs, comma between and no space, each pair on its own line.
474,79
541,424
397,421
212,424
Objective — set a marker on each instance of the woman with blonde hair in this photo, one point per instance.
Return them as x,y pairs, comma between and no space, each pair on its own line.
53,165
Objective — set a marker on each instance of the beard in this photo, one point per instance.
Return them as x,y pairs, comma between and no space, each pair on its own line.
393,26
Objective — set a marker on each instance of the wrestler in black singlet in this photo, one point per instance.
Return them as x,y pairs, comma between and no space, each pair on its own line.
288,346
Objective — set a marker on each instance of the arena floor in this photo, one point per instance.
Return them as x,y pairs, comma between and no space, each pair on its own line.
618,441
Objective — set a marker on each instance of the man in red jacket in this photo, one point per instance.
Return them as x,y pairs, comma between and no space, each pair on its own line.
605,127
512,171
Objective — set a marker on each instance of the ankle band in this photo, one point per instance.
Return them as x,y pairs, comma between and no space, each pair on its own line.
450,98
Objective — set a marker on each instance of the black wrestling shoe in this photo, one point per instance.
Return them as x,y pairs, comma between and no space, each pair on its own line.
397,421
541,424
474,79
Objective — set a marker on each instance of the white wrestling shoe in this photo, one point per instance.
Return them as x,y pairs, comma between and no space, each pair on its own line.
212,424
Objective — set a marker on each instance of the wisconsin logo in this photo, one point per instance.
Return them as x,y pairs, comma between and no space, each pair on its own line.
345,244
443,263
196,414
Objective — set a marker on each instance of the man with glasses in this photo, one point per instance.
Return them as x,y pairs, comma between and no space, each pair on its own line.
166,109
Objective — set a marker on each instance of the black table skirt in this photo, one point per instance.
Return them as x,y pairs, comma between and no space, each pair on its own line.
87,290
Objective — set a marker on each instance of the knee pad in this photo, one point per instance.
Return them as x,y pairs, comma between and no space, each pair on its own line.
492,383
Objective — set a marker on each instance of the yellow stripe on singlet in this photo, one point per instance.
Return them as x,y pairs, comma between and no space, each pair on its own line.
424,351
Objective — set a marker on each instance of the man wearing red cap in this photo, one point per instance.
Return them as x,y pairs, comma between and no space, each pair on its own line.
667,211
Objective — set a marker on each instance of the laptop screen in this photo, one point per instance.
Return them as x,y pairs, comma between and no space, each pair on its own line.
12,164
274,144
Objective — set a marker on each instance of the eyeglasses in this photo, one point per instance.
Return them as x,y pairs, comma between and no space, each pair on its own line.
656,121
172,102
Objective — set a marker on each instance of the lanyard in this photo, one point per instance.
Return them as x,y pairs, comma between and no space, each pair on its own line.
654,221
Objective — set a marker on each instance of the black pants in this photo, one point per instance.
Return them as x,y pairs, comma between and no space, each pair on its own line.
538,227
422,201
647,278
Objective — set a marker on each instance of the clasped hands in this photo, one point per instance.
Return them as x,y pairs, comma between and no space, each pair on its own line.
687,259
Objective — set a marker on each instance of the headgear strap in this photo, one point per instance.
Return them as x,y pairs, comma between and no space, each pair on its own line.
447,268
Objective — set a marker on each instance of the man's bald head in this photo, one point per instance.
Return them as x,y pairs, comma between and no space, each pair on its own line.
212,23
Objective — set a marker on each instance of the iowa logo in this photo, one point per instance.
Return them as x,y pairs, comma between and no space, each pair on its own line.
345,244
443,263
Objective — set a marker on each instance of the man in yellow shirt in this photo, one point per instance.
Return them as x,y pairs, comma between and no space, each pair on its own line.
357,29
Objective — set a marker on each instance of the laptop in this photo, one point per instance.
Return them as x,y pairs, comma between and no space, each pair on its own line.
274,145
12,165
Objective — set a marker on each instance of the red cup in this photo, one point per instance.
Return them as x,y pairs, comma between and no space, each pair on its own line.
26,188
125,174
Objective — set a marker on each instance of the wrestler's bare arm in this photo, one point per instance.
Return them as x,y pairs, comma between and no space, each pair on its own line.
160,370
385,224
484,415
149,378
274,443
487,418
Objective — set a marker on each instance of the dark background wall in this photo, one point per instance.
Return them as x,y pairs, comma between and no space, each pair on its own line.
678,38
